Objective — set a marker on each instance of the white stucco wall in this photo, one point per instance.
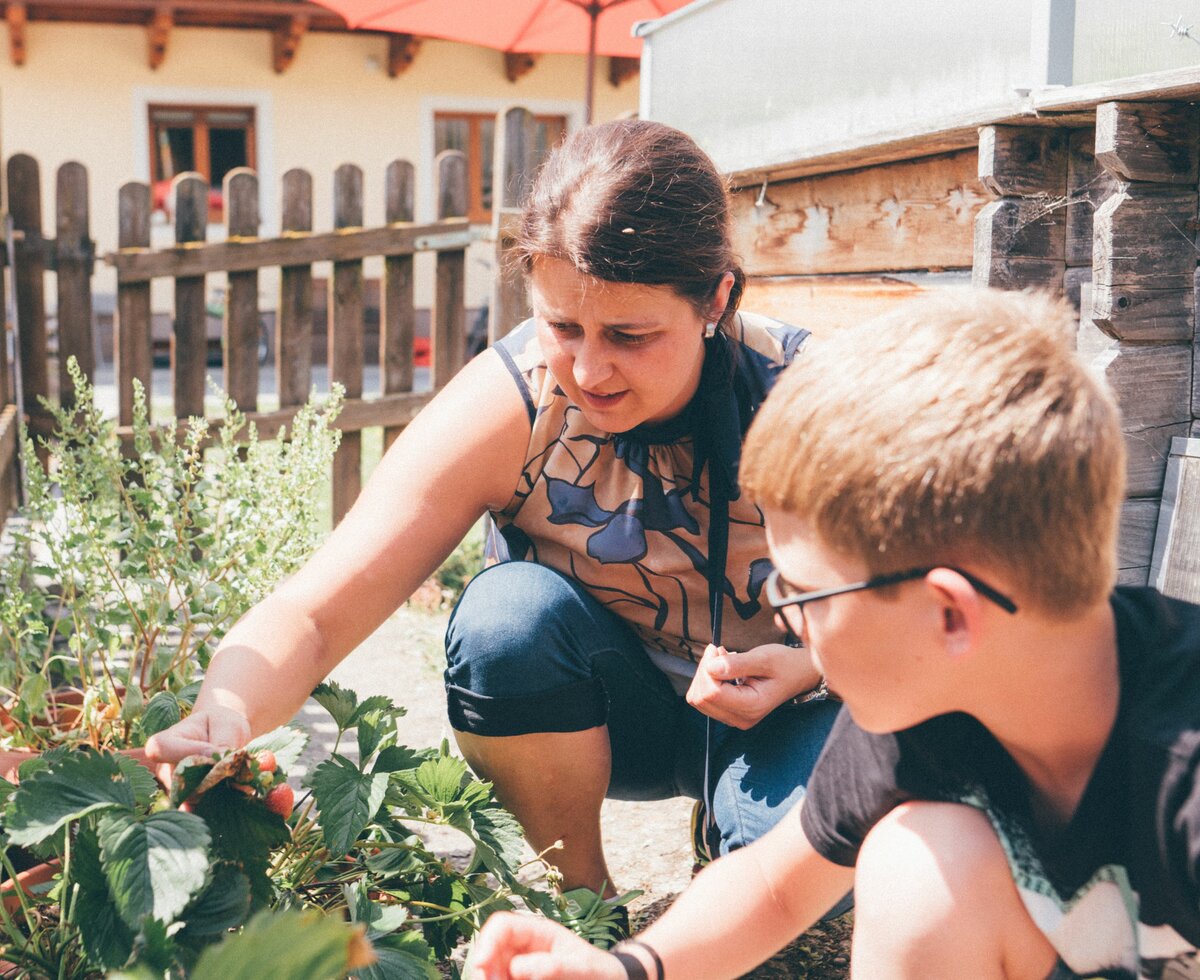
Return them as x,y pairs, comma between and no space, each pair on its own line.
83,92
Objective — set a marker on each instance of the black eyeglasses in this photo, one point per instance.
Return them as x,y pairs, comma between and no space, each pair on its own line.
778,599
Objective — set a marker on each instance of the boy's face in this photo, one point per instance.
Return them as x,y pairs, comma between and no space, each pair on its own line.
880,651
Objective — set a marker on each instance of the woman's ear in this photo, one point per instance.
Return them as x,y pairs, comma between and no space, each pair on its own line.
961,609
721,296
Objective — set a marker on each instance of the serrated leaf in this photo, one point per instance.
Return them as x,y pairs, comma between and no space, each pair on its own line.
162,711
153,947
280,946
499,842
224,904
396,758
369,737
81,783
286,742
338,701
153,865
372,705
402,956
347,800
189,694
132,705
107,941
145,786
438,781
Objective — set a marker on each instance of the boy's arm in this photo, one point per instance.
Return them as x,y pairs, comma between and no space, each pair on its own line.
738,912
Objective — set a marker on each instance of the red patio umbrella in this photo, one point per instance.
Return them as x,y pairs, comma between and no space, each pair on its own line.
588,27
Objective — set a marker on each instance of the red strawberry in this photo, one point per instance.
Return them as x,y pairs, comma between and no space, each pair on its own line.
280,800
265,760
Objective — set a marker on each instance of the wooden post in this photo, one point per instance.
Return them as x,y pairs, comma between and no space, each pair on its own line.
240,330
398,314
74,256
189,338
449,330
515,163
1175,563
1143,290
132,348
293,334
25,205
346,335
1020,239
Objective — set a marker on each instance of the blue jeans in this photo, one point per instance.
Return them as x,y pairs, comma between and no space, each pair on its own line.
529,650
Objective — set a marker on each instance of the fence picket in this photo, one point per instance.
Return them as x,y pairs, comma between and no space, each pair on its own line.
346,335
398,313
189,338
448,332
74,255
294,329
515,159
25,206
241,328
132,348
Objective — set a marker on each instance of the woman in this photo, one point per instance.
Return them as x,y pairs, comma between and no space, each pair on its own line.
602,438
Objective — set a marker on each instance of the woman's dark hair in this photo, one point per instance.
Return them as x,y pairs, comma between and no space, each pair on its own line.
637,202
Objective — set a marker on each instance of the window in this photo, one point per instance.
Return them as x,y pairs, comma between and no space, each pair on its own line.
475,134
211,140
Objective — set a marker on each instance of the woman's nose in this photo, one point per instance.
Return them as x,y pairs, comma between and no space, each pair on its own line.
592,365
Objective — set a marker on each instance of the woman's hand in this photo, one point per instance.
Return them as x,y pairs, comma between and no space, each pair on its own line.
768,675
215,728
525,947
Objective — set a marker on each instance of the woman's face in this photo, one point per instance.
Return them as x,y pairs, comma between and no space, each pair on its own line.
624,353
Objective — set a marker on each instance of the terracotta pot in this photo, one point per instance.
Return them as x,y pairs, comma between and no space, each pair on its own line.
26,883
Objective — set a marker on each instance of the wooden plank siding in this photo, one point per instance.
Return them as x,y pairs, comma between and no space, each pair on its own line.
906,216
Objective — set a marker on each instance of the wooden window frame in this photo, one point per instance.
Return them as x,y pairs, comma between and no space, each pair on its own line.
476,212
202,162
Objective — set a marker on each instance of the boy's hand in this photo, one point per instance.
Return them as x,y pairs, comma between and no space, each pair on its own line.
740,689
203,732
524,947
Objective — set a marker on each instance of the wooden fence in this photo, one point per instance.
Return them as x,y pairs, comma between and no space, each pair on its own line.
70,254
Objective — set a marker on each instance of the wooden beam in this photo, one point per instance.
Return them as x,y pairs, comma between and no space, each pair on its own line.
622,69
285,41
518,63
142,265
402,51
158,31
16,15
1154,142
905,216
219,8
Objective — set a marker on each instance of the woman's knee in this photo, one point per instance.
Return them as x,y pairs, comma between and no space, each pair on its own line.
928,870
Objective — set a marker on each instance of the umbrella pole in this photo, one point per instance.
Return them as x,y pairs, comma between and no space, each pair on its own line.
593,10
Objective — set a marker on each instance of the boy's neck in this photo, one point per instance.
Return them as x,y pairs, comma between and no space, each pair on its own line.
1051,694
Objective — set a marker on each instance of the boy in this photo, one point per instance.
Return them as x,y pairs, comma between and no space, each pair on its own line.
1011,790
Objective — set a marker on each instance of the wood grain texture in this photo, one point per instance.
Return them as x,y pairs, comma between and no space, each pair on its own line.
515,154
397,317
1019,161
1135,542
132,345
25,206
1143,237
74,252
189,338
1088,186
294,329
1175,565
825,304
449,328
1136,314
346,330
241,327
9,473
1148,141
1020,241
903,216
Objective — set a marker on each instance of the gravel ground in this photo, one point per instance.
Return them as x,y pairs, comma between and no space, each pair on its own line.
647,844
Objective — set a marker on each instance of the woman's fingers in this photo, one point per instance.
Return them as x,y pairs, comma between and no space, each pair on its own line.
201,733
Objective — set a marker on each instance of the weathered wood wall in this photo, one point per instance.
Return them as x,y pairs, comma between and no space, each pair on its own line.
829,250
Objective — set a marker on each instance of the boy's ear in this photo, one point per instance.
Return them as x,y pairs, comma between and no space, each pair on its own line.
961,610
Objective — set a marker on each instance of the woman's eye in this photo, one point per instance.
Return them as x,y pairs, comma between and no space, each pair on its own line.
631,338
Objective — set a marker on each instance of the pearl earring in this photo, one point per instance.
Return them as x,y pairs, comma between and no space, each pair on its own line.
710,331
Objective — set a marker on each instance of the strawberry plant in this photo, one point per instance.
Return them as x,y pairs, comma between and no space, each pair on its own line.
133,558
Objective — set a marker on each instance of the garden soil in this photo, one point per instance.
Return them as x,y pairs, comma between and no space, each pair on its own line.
647,844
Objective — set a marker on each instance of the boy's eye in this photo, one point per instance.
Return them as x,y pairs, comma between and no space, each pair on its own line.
560,326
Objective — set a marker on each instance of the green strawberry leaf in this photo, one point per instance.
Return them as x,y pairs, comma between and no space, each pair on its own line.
499,842
280,946
224,904
145,786
286,742
338,701
396,758
347,799
162,711
76,785
155,865
401,956
107,941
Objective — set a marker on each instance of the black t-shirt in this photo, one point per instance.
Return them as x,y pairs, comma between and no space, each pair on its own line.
1133,844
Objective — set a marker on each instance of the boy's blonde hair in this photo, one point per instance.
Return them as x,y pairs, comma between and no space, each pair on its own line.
962,428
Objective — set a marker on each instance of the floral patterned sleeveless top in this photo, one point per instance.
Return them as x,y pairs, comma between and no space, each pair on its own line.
627,514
